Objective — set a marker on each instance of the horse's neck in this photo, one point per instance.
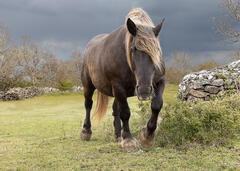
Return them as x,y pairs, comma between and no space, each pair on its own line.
117,42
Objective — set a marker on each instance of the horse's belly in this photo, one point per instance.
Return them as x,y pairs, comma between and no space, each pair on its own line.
101,83
104,89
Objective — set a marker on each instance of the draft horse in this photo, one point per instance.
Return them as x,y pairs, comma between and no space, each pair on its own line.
122,64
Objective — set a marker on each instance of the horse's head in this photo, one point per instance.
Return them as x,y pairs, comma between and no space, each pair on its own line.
142,63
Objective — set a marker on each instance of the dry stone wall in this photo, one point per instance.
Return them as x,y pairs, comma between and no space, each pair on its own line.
77,89
24,93
209,84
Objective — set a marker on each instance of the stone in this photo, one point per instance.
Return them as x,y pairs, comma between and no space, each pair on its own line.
77,89
207,98
207,83
234,65
197,85
210,77
218,82
10,96
24,93
212,89
18,93
1,95
198,94
192,99
230,81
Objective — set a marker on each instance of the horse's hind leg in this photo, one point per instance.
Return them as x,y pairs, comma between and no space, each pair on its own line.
116,122
88,93
128,142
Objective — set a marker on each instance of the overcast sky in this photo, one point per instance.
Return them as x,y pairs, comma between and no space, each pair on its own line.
65,25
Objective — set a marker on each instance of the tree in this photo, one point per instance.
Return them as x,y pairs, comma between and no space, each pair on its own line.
173,76
64,71
27,64
229,30
49,69
9,74
76,62
207,65
236,55
182,62
30,59
4,38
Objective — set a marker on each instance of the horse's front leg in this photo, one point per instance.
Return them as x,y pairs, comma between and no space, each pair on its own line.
128,142
146,136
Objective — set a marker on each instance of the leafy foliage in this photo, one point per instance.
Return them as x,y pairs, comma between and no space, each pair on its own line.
66,85
173,76
211,123
207,65
182,64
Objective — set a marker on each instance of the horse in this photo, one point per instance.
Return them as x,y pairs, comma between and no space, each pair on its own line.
122,64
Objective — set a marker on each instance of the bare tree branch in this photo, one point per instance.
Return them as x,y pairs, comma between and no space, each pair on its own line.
4,38
182,62
225,29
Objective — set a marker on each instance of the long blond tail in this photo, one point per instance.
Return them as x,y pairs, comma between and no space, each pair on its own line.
101,107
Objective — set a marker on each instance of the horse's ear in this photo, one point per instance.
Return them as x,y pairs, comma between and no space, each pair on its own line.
157,29
131,27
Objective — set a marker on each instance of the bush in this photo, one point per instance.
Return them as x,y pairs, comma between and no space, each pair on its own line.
6,83
173,76
208,65
23,84
211,123
65,85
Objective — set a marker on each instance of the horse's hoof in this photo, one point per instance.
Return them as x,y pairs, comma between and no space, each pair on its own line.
145,141
85,134
130,144
118,139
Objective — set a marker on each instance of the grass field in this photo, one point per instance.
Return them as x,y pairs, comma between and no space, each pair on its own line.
43,134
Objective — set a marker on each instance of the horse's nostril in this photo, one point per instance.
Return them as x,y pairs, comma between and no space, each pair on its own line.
144,90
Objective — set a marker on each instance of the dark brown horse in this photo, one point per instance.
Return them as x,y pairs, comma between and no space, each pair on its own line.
122,64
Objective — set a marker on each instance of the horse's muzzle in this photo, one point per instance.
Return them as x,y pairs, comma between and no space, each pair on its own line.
144,92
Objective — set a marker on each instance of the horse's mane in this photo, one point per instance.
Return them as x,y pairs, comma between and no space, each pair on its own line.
145,39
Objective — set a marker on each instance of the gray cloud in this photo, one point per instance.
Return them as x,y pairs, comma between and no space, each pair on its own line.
66,25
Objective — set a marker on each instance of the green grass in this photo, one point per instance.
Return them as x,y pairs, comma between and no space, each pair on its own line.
43,134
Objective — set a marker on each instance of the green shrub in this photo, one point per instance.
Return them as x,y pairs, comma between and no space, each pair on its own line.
23,84
221,76
212,123
66,85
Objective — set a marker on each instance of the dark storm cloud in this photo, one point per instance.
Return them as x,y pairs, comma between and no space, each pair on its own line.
66,25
